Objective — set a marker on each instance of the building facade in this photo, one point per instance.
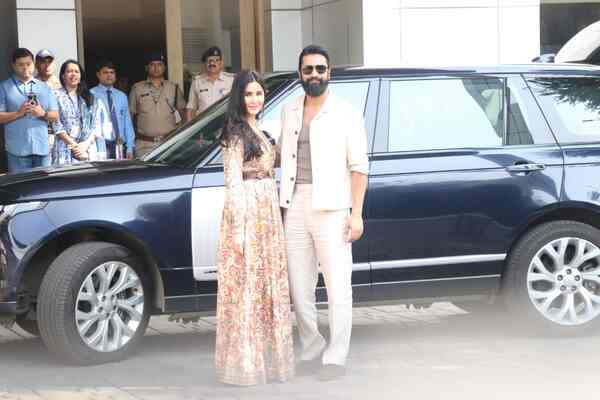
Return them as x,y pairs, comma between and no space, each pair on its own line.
268,34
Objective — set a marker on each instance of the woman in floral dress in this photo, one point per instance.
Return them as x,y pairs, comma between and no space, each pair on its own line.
78,128
254,333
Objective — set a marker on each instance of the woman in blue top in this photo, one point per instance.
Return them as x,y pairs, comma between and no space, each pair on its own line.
78,129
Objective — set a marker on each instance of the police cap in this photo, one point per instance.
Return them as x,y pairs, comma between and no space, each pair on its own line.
212,52
154,56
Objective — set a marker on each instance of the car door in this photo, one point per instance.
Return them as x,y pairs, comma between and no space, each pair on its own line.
459,164
208,193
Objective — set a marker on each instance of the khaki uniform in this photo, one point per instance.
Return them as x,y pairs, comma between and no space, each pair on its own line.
204,92
154,109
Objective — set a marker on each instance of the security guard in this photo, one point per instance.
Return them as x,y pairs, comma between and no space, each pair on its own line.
156,105
207,88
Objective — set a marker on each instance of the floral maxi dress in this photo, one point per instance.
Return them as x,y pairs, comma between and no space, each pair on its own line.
254,333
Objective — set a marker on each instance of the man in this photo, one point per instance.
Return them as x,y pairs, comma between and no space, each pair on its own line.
44,67
26,107
324,173
210,87
155,104
117,127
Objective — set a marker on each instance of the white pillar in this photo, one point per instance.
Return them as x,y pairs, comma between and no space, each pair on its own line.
48,24
450,32
335,24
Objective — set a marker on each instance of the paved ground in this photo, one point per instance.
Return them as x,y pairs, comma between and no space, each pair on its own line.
437,353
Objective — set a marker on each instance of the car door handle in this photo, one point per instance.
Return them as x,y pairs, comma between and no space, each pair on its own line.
525,167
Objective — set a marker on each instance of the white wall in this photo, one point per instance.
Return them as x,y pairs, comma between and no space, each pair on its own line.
450,32
48,24
334,24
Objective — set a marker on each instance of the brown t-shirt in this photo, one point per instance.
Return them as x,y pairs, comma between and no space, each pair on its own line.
304,165
154,107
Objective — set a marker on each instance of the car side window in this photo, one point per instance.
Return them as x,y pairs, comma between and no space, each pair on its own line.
445,114
271,120
573,103
525,123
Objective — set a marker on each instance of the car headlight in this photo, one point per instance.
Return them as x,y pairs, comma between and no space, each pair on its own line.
10,210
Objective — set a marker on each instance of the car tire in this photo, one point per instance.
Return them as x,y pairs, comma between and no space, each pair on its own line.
550,277
28,325
94,304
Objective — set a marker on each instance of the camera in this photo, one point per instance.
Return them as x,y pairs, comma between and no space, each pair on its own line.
32,99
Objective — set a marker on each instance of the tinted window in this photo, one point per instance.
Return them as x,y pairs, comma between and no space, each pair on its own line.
517,127
189,144
574,102
446,113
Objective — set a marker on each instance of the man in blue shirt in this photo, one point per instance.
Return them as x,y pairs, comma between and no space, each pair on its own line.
117,127
26,106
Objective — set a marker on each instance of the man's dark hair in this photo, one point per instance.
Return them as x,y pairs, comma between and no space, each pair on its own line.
312,49
20,53
105,64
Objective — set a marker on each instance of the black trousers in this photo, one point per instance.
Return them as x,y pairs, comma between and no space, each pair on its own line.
111,149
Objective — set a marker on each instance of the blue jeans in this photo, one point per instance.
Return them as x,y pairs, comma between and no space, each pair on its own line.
23,163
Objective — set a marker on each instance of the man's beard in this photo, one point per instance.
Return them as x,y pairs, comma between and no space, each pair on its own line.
314,89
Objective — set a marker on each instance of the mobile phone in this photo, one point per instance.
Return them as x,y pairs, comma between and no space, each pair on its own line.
32,98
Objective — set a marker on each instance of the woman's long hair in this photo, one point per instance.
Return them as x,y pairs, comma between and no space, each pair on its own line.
82,89
236,127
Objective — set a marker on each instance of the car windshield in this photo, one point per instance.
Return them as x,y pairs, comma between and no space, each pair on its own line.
188,144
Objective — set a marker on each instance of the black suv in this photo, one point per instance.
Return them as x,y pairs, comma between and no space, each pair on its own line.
484,184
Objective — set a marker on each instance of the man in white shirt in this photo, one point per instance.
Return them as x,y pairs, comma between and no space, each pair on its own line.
324,167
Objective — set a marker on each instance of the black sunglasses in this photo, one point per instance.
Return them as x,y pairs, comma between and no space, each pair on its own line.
308,69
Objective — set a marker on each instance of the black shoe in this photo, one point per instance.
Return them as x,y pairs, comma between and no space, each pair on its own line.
330,372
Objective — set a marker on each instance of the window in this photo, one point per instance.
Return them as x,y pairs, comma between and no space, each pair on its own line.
517,129
353,92
575,102
445,114
190,143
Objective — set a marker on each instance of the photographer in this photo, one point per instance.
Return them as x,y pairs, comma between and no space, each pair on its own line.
26,107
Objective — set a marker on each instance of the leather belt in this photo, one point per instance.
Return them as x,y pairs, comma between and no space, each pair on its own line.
146,138
257,175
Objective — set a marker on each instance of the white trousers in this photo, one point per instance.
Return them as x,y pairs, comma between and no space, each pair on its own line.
315,241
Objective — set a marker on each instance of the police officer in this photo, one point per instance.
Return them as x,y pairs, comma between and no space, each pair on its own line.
207,88
156,105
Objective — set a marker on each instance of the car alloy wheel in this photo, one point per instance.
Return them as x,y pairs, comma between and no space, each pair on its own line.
110,306
563,281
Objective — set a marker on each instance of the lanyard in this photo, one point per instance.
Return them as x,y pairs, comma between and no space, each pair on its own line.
77,107
19,86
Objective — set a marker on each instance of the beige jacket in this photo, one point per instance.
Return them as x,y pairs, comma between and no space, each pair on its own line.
338,145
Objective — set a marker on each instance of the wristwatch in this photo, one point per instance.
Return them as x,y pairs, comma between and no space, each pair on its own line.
45,116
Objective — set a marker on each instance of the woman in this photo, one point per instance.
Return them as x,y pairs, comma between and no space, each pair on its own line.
78,127
254,333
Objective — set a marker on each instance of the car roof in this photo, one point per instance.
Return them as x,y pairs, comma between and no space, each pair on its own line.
530,68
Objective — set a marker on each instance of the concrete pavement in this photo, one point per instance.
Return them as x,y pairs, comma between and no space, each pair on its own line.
436,353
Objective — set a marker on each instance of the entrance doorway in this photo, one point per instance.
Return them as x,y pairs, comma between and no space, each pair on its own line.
122,31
